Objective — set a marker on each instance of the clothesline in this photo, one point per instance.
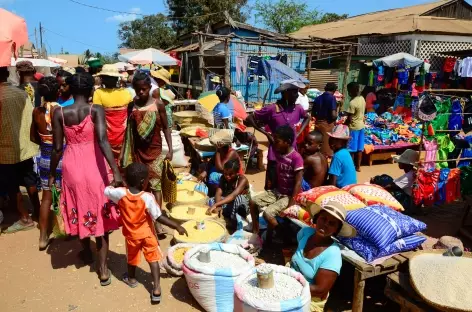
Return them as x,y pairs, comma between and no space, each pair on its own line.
440,161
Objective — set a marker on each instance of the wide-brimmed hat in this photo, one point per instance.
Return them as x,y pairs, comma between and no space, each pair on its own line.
408,157
340,132
216,79
109,70
338,211
130,67
162,74
290,84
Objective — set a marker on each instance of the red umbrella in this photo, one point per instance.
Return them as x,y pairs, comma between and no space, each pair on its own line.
13,34
237,108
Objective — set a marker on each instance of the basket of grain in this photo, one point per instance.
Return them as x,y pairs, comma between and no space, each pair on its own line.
186,185
205,145
191,131
210,272
183,213
190,118
211,232
187,197
269,287
442,281
175,258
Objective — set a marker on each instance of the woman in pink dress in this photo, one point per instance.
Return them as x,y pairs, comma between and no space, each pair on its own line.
84,207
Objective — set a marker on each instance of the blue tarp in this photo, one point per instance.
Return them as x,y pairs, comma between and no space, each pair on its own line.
399,59
276,72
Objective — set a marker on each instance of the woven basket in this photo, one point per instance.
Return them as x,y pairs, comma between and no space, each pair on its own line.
205,146
179,213
191,131
189,117
169,183
217,235
422,295
186,197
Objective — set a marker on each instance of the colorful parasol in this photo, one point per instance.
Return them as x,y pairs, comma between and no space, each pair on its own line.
209,99
148,56
13,34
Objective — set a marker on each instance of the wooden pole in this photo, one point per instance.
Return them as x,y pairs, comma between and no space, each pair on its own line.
346,74
227,64
201,62
310,59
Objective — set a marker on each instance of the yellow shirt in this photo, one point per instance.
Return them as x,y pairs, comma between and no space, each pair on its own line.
357,109
112,97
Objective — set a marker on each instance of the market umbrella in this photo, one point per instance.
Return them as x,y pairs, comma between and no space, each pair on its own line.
148,56
35,62
13,34
398,59
209,99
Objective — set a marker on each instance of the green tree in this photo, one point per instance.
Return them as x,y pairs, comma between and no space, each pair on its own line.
287,16
190,15
150,31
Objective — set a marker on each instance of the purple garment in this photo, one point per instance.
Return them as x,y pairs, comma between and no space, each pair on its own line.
274,116
287,167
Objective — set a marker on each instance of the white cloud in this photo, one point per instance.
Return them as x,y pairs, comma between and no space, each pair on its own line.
124,17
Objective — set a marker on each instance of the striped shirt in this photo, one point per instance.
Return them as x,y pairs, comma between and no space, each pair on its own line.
16,114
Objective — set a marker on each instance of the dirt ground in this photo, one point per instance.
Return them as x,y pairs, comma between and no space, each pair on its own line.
55,280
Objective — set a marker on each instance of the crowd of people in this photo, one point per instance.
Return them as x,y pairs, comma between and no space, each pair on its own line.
92,130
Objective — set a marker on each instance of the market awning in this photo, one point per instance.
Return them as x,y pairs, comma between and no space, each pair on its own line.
35,62
148,56
399,59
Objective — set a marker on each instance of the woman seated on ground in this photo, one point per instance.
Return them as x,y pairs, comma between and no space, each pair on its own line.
318,256
401,188
212,172
232,194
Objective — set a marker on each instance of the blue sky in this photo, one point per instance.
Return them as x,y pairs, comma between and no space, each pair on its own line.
75,28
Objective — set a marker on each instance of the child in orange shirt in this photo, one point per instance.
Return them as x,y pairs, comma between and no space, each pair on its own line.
138,210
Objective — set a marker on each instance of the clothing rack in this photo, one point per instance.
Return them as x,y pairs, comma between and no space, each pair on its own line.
467,199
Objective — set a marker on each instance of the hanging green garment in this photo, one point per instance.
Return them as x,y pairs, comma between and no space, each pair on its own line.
442,117
421,79
371,78
445,146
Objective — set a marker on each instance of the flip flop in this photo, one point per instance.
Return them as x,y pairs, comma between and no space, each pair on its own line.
125,280
107,281
155,299
17,227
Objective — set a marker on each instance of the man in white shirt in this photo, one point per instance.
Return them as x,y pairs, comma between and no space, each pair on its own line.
303,99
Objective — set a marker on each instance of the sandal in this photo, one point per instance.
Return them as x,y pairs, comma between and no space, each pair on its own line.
107,281
155,299
125,280
18,226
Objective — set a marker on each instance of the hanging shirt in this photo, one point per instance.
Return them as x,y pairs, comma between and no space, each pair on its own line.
445,146
466,153
455,119
431,148
466,68
449,63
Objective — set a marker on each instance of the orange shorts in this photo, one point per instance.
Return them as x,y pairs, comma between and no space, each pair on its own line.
149,246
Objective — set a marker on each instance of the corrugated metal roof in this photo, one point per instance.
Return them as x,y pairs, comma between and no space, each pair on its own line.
195,46
395,21
319,78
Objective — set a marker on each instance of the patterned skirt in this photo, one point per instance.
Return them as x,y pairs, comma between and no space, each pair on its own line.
44,166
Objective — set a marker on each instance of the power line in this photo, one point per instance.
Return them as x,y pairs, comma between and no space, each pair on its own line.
140,14
84,43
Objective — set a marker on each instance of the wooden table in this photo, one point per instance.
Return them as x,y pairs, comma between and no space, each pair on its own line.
364,271
386,152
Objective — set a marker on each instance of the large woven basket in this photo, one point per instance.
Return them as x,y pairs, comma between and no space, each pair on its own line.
438,305
192,238
180,214
186,197
205,146
189,117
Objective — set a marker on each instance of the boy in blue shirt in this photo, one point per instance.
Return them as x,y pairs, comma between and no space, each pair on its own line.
342,171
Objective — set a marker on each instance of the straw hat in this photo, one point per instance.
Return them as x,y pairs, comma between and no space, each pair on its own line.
162,74
130,67
409,157
110,70
290,84
216,79
340,132
338,211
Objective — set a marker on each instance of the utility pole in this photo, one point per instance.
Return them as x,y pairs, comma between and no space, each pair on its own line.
36,42
41,55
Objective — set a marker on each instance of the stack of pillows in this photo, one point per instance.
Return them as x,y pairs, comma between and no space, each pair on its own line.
382,229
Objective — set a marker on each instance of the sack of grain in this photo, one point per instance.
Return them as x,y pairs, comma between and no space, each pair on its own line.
212,283
291,291
175,258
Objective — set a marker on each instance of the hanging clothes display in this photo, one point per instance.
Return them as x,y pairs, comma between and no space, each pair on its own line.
466,180
241,67
442,181
449,64
445,146
465,70
431,148
453,186
455,119
466,153
442,116
424,189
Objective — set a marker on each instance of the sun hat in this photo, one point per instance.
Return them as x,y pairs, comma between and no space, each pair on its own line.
338,211
162,74
130,67
340,132
290,84
109,70
94,62
408,157
216,79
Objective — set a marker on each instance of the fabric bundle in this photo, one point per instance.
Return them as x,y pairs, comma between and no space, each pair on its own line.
437,186
382,231
371,194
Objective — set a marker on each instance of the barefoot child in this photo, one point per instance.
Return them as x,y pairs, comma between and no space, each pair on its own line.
314,162
289,175
232,194
138,210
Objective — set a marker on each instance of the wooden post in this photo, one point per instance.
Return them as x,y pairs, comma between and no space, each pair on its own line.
310,59
227,64
358,297
346,74
201,62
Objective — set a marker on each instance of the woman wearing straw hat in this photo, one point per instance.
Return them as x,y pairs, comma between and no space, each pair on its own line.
114,100
162,78
401,188
341,171
318,256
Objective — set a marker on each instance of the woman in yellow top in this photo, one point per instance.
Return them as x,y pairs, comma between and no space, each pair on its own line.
114,100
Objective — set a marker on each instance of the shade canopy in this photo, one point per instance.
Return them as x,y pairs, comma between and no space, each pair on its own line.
13,34
148,56
399,59
57,60
36,62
